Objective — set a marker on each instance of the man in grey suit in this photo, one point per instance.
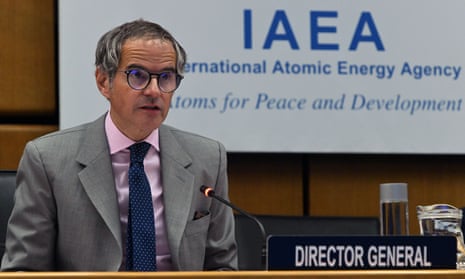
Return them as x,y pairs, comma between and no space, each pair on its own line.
71,202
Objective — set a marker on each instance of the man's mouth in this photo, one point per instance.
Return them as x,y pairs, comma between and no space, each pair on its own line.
151,107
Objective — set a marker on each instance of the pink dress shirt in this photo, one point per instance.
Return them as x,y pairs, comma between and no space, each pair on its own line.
119,151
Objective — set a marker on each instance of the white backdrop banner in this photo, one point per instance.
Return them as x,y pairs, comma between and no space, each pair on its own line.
326,76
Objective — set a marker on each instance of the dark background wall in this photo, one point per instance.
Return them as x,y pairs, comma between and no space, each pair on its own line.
286,184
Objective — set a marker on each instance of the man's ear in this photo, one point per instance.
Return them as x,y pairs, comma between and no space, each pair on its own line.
103,82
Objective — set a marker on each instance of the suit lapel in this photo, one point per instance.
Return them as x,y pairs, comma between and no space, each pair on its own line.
98,181
97,176
177,188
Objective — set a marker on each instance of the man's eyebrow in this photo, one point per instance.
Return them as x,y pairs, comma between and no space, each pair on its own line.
131,66
138,66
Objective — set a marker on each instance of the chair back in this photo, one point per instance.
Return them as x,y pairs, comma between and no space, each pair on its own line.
7,189
250,241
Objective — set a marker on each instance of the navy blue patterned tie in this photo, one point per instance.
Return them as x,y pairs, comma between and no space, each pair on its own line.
141,229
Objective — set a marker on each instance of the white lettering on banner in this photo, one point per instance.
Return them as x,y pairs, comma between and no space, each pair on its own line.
333,256
355,256
398,256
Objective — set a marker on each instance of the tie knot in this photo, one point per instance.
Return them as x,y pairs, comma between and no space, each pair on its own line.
138,151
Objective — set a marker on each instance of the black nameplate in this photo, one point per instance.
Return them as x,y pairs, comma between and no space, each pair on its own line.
361,252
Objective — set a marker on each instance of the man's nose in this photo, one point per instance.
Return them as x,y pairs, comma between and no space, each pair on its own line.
153,89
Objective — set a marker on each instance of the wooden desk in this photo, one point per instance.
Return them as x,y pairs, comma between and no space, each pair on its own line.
368,274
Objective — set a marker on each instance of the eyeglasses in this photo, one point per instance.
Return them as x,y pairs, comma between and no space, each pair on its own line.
139,79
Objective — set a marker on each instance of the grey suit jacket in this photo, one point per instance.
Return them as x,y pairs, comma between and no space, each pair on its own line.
66,214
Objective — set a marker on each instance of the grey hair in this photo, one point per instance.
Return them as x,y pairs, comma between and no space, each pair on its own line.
108,52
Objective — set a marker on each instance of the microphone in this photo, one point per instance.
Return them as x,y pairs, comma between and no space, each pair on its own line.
210,193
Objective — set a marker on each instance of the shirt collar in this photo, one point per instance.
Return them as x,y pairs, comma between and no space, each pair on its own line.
117,141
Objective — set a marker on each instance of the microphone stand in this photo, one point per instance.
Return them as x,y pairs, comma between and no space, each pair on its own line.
209,192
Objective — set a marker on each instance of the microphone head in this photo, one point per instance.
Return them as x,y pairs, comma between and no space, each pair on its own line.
207,191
